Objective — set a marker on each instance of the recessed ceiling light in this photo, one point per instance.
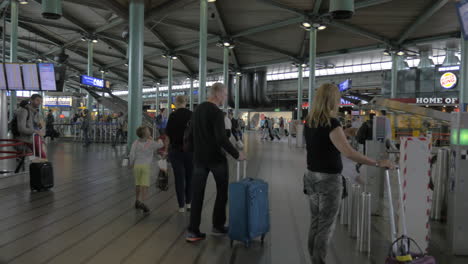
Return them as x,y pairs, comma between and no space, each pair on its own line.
23,2
401,53
322,27
306,24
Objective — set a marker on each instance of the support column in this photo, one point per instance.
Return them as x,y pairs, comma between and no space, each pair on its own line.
135,68
157,98
312,62
299,92
394,80
89,104
236,97
202,52
191,95
169,85
226,71
13,49
463,98
3,97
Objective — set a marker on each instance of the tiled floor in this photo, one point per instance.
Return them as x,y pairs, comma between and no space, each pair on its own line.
88,216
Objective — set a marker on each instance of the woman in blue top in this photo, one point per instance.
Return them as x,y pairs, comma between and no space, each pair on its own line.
326,142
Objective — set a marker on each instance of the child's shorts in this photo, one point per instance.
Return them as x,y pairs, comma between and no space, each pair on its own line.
142,174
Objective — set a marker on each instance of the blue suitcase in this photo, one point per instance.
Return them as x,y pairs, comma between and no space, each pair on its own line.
249,215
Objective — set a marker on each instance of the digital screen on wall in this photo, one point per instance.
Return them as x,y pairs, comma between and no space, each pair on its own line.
47,75
13,76
30,76
346,85
3,84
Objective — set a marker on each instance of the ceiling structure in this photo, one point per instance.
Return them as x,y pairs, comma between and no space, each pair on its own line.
265,32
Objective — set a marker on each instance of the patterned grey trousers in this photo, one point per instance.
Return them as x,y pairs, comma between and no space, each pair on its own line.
324,193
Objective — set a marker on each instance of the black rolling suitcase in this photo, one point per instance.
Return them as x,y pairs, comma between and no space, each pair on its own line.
41,174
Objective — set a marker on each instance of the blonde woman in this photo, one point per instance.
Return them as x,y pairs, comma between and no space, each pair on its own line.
326,142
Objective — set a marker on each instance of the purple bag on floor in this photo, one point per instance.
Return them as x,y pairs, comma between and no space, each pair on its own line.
405,249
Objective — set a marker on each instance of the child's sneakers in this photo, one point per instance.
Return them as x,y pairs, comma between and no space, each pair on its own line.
142,206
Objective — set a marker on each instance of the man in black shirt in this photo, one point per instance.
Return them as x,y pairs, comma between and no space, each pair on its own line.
209,140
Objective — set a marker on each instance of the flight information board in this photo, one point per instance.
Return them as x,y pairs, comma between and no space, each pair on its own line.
47,75
30,77
3,85
13,76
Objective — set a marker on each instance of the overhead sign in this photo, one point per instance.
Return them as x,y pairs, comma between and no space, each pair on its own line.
448,80
58,101
436,100
91,81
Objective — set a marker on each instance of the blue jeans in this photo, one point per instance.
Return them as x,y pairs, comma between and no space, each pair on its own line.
324,193
182,165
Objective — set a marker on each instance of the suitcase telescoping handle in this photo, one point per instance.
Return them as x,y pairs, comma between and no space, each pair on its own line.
34,145
244,169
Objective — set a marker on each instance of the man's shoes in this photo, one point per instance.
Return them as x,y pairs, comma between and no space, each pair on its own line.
181,210
188,207
221,231
192,237
137,204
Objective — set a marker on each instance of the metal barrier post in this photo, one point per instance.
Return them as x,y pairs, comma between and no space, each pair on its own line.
365,224
353,224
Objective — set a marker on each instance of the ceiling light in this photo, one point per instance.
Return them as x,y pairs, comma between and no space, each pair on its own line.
306,24
126,64
226,44
321,27
95,40
174,57
386,52
23,2
238,73
83,38
401,53
211,1
303,65
102,71
164,56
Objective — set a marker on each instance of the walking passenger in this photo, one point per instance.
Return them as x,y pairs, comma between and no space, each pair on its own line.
209,141
85,125
182,162
119,133
161,121
325,141
141,157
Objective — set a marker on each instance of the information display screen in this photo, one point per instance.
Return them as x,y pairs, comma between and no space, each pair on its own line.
13,76
346,85
30,76
91,81
47,75
3,84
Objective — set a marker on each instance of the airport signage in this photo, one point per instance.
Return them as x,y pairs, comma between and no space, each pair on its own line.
436,100
448,80
58,101
91,81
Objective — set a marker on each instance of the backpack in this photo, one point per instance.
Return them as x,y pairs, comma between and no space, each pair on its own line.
188,137
13,124
364,133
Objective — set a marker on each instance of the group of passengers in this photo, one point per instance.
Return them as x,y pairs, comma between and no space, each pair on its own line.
197,143
271,128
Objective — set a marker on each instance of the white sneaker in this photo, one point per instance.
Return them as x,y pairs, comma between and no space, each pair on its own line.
188,206
182,210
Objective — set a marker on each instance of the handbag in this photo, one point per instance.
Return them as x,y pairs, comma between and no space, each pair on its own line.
405,255
162,182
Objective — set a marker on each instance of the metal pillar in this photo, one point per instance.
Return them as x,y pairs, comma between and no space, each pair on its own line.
191,95
236,97
13,49
226,71
157,98
135,68
312,62
464,76
89,104
394,82
169,85
202,52
299,93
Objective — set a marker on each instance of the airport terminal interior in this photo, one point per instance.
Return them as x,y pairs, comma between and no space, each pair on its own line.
84,82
